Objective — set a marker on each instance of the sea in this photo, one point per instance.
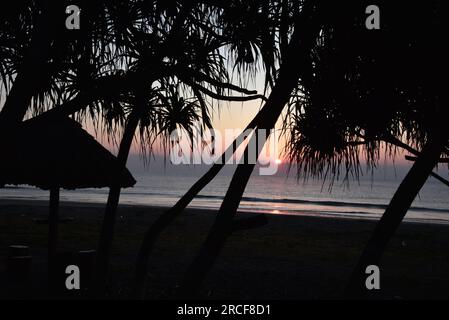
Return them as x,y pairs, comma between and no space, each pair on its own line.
365,197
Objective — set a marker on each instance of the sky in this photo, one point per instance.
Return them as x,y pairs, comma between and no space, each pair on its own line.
225,115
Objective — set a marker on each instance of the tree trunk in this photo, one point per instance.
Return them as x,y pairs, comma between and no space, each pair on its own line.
110,215
395,212
154,231
218,234
30,72
107,233
52,233
167,217
296,60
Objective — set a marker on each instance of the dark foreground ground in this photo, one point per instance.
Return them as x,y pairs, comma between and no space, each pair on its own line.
290,258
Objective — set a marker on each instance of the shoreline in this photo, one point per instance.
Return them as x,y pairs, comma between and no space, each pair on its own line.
211,210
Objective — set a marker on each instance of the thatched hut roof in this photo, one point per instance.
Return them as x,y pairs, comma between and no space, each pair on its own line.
47,152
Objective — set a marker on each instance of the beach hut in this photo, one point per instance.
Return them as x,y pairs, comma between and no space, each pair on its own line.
53,153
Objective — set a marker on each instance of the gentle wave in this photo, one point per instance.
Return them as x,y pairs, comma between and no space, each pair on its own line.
324,203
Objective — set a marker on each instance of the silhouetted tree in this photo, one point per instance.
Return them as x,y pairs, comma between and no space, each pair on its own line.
133,64
261,28
370,88
295,62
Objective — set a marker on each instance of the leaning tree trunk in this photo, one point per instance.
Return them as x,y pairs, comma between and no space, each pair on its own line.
296,61
30,72
53,218
114,195
154,231
395,212
218,234
163,221
110,215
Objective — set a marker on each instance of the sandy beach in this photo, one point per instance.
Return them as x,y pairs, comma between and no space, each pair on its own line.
292,257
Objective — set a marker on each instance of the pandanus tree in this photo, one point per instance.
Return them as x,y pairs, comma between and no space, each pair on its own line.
293,66
374,88
116,70
26,36
256,33
129,55
306,21
352,96
47,67
179,49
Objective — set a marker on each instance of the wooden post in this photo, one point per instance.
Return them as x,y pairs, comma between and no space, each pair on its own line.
52,231
18,271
